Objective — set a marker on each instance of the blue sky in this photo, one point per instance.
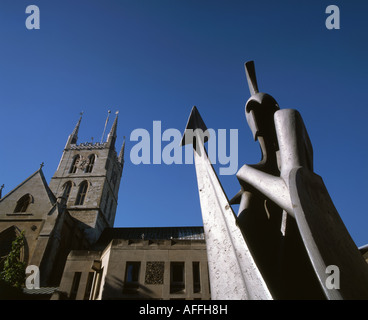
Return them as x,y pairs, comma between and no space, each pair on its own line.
153,60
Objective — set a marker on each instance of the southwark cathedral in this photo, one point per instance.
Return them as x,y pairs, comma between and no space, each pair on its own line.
69,234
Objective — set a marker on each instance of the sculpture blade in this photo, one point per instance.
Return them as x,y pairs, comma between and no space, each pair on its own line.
326,238
250,72
233,271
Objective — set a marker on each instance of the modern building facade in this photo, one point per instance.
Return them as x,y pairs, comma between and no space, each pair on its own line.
168,263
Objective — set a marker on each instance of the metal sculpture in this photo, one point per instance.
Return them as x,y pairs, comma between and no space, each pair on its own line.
233,272
287,234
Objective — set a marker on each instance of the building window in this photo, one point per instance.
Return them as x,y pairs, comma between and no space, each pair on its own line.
107,165
132,276
177,278
196,278
73,168
6,242
113,178
106,202
87,293
67,189
81,193
75,285
23,203
91,162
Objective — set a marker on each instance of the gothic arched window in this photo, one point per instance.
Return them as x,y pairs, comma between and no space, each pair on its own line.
91,162
73,168
6,242
67,189
106,202
23,203
82,192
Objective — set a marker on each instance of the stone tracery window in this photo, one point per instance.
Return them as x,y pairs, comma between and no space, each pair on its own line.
73,168
23,203
91,162
67,189
82,192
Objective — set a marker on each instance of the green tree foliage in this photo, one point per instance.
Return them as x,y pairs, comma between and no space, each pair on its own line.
13,272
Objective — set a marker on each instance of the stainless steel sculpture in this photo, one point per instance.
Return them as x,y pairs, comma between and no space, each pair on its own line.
288,232
233,272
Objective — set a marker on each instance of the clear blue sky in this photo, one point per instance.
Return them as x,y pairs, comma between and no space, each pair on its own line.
153,60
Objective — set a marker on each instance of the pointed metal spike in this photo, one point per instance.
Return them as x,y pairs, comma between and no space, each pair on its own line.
195,121
250,71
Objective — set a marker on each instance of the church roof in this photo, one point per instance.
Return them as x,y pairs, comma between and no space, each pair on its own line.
152,233
35,181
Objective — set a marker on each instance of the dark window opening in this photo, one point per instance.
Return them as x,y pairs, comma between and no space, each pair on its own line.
106,202
23,203
91,162
67,189
177,278
75,285
132,276
73,168
87,293
81,193
196,278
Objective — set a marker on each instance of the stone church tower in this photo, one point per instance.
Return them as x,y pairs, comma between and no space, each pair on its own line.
67,214
88,180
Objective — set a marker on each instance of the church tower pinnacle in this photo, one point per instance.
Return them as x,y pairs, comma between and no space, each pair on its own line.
73,137
121,153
